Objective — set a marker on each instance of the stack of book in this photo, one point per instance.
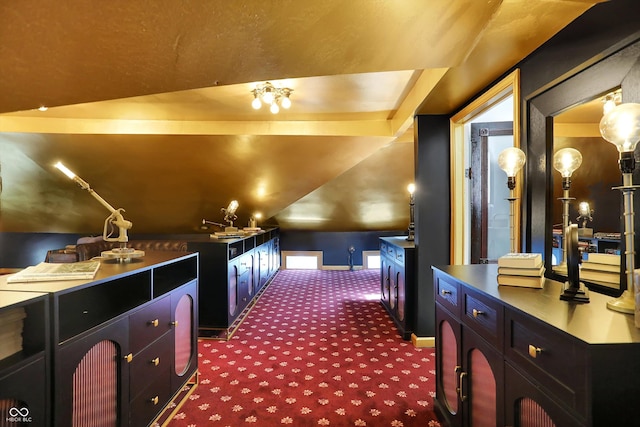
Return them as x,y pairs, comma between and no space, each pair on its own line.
11,325
521,269
601,269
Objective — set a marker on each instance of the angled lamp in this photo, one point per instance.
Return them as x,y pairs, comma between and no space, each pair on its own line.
115,219
620,126
511,160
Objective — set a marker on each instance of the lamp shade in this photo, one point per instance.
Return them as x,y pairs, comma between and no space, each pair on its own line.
621,126
566,161
511,160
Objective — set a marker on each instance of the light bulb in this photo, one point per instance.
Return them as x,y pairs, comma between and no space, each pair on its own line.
267,96
256,104
621,126
411,188
233,205
511,160
286,102
566,161
583,209
65,170
274,108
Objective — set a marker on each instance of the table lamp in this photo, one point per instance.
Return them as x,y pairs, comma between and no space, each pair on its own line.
621,127
511,160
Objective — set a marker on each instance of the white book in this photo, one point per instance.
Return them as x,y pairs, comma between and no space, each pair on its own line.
600,258
535,272
46,271
520,260
522,281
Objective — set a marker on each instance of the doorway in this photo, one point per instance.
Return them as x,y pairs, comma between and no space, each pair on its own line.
489,193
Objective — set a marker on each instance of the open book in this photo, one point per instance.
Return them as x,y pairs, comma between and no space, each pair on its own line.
45,272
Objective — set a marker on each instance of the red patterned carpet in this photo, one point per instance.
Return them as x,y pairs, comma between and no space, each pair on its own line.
317,349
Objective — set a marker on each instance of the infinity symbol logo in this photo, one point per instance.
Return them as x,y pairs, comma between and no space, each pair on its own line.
22,412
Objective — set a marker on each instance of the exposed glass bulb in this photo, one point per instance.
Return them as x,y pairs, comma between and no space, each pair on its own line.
256,104
566,161
286,102
511,160
584,209
274,108
411,188
267,96
621,126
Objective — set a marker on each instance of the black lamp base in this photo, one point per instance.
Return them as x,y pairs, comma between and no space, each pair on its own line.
571,293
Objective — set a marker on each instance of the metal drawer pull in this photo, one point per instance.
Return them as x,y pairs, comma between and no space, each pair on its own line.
534,351
444,292
462,395
154,323
154,400
174,323
128,357
155,361
477,313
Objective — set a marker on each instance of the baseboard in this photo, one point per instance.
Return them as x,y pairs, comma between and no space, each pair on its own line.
340,267
427,342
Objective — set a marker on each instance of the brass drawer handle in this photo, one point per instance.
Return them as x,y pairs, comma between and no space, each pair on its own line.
174,323
128,358
477,313
534,351
154,400
154,323
444,292
463,397
155,361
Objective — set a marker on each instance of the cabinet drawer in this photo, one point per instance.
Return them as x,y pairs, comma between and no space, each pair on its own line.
550,356
447,292
391,252
154,361
147,406
149,323
399,256
483,315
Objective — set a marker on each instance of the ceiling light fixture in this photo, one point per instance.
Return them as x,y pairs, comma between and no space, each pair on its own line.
275,97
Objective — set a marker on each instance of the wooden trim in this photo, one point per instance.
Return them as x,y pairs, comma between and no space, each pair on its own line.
423,342
509,86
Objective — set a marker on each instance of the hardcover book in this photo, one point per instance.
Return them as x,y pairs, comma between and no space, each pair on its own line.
520,260
537,272
522,281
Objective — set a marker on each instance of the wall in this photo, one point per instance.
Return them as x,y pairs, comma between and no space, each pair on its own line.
432,213
335,245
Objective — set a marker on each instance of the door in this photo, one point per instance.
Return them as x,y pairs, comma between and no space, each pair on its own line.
490,209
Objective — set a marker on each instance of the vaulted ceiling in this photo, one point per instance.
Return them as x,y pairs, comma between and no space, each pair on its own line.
150,103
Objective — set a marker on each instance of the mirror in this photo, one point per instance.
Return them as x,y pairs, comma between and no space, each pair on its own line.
590,184
584,84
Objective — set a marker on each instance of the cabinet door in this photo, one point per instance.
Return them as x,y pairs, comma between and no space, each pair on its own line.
401,294
528,406
448,367
91,377
385,280
481,382
184,311
233,287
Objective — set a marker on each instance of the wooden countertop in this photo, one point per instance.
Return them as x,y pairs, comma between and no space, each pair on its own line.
108,269
590,322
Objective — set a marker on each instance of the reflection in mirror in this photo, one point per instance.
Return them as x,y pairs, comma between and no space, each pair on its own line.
592,203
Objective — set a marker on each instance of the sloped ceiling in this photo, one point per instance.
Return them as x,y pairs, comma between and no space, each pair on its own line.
149,102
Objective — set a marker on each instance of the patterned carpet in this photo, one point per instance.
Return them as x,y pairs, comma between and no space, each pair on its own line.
317,349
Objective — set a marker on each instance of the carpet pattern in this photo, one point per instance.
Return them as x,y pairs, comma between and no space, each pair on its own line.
318,349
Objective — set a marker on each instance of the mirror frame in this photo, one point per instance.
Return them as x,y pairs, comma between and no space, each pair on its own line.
620,69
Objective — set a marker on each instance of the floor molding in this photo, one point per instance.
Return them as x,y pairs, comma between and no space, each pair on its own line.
420,342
